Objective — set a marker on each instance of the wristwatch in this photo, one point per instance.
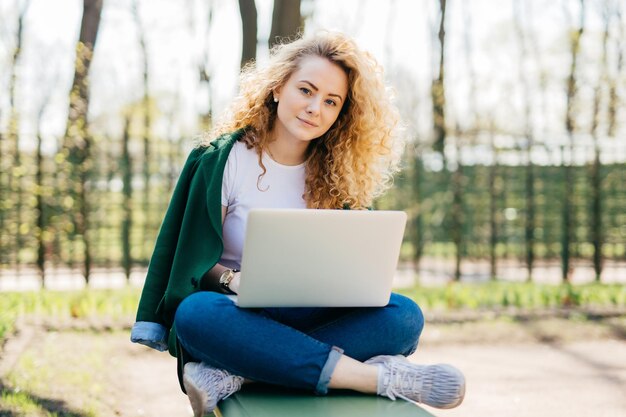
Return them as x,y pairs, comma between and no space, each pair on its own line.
225,279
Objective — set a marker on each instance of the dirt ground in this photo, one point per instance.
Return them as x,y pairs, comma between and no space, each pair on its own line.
540,367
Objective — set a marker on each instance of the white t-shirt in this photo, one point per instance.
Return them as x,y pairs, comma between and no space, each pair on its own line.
282,187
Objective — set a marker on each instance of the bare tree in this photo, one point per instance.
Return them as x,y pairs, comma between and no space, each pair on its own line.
41,206
541,110
457,216
494,196
127,199
3,250
286,21
597,233
203,57
440,133
15,179
614,102
78,139
437,89
570,127
529,226
248,13
146,127
205,72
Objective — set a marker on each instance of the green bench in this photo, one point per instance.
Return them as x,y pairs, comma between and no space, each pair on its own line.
258,400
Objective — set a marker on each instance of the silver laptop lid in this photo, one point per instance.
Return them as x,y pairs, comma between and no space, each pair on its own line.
323,258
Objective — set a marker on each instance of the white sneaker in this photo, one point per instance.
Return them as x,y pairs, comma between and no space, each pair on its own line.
206,386
440,386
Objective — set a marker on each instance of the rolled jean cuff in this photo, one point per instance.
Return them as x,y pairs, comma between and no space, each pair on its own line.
150,334
327,370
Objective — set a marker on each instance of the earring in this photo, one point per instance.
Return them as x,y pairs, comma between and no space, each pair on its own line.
275,99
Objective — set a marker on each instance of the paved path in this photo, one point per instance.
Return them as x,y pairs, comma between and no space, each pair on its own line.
578,379
510,376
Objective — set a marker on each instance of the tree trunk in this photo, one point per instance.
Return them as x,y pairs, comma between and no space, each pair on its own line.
147,214
540,110
570,127
40,207
418,233
3,191
597,238
529,225
205,73
595,176
77,136
494,195
440,132
127,192
437,89
457,210
15,179
286,21
247,10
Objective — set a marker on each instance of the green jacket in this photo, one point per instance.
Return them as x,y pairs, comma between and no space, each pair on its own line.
188,244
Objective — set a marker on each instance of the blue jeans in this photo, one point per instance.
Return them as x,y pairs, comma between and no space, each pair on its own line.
295,347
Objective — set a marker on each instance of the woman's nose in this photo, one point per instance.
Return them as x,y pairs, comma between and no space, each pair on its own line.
313,107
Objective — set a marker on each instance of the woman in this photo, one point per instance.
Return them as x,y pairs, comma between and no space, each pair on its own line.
313,129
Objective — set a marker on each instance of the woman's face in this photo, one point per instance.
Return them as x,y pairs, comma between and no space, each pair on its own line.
311,99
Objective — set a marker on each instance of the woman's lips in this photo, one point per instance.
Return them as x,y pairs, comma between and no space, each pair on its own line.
306,122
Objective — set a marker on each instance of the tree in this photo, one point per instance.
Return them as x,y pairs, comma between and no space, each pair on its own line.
248,13
77,139
529,225
451,183
127,199
495,192
41,206
570,127
595,175
286,21
146,126
205,71
15,179
437,90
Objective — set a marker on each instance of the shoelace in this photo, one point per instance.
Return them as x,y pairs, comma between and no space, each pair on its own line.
401,382
225,383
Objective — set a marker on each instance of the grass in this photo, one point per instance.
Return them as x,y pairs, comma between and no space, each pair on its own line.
499,295
50,370
65,306
20,403
27,390
57,377
121,304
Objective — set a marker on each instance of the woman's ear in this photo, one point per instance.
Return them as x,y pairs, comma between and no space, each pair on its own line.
276,94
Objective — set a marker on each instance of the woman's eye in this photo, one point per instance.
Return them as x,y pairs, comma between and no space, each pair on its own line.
305,90
331,102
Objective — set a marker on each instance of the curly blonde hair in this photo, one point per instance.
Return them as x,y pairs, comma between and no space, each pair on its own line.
354,161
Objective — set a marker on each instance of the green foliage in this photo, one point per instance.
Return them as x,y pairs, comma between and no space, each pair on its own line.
499,295
25,404
427,193
66,305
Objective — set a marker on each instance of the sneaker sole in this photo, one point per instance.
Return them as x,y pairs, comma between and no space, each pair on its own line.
196,398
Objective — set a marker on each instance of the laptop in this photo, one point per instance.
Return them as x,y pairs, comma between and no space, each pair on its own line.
319,258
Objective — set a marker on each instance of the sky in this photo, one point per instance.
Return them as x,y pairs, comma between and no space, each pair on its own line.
397,32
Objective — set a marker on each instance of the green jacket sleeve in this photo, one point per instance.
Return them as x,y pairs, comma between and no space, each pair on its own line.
162,259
